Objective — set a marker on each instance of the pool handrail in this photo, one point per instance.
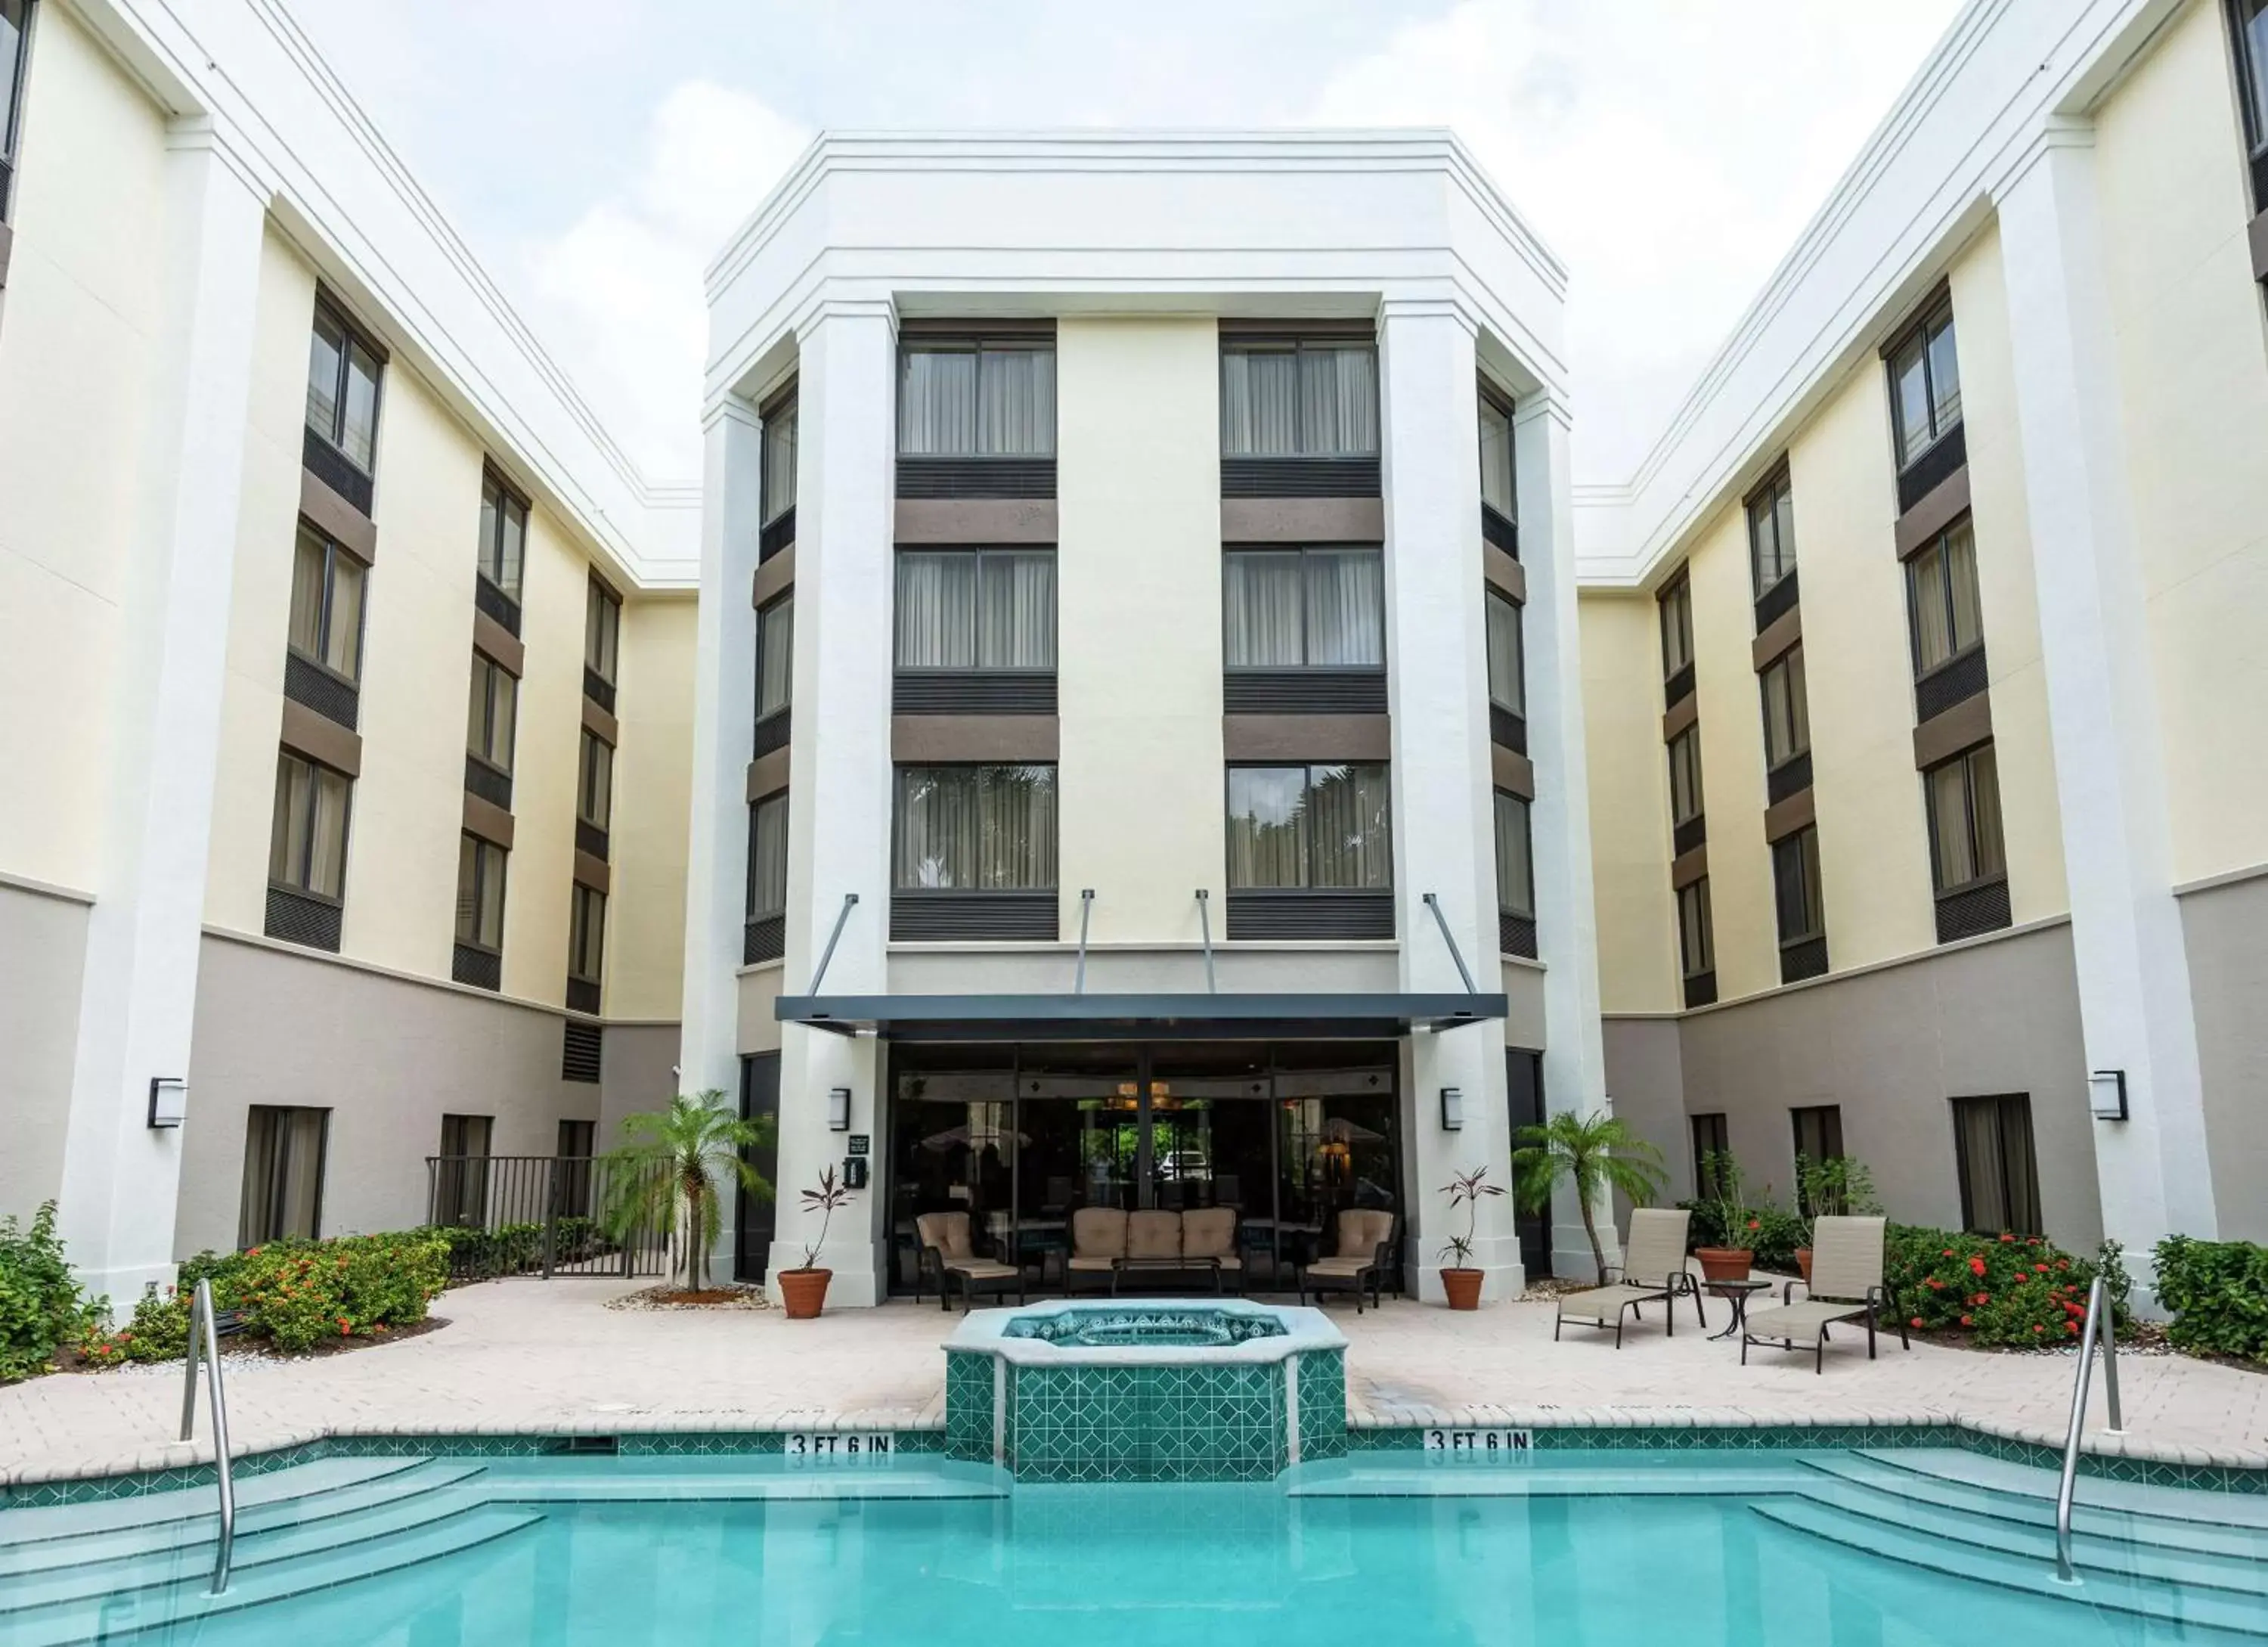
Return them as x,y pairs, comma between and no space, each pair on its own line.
204,1336
2102,1329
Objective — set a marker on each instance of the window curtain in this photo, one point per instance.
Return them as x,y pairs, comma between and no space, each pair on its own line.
1267,826
767,857
307,847
774,656
1944,378
1346,592
1506,685
779,463
1515,869
1016,610
937,611
595,792
1016,403
962,401
1784,532
1787,720
1968,621
1260,403
263,1161
1984,808
308,565
325,349
937,403
587,944
342,629
1263,607
1685,798
981,828
1496,458
358,430
1910,398
1694,951
1979,1120
1338,401
1347,808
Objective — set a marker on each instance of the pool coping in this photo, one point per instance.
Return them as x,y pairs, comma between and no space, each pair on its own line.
1305,1331
175,1465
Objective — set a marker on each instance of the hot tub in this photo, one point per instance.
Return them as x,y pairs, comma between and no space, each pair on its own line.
1165,1390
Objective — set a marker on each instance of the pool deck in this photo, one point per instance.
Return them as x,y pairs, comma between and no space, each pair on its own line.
531,1356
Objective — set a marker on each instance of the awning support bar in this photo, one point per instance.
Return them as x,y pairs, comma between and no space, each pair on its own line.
1442,921
1205,931
1085,905
850,899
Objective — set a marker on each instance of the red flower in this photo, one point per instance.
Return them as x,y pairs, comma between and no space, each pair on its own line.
1982,1298
2070,1326
251,1251
1756,1224
1917,1321
2007,1238
1947,1253
2036,1327
1965,1321
1933,1282
346,1328
1976,1265
2022,1278
2042,1268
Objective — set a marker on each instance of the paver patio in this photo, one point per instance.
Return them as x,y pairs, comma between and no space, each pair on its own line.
530,1355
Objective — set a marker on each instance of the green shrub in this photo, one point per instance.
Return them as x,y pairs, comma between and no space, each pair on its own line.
2218,1291
482,1254
296,1294
42,1308
1771,1234
2007,1289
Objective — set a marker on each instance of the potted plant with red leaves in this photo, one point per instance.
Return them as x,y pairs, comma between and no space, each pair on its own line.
1460,1280
803,1289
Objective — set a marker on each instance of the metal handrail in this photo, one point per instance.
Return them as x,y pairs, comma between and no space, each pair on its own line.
2098,1318
204,1336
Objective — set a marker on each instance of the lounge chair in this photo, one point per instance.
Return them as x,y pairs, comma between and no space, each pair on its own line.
1652,1270
1365,1255
1098,1241
1846,1283
944,1245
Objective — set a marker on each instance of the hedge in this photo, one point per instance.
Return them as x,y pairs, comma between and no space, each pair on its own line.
2007,1289
2218,1292
42,1308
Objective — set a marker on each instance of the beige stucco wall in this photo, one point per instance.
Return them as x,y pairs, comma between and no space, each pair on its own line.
79,329
554,590
260,604
1629,804
1740,906
2030,818
1138,579
653,786
42,954
2193,386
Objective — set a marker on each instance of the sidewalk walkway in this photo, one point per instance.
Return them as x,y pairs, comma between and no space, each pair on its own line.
536,1357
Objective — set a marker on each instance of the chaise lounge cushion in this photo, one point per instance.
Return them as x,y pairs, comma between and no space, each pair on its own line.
1211,1233
948,1232
1153,1234
1800,1323
1362,1231
1602,1306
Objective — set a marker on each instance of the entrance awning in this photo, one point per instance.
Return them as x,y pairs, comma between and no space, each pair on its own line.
1319,1015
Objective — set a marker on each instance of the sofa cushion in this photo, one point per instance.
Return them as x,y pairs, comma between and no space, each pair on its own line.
1211,1233
1099,1232
1153,1235
1361,1229
948,1232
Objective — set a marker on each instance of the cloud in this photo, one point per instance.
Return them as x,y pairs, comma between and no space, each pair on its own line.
1669,154
617,293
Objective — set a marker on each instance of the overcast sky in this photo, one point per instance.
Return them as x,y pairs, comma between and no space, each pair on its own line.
595,155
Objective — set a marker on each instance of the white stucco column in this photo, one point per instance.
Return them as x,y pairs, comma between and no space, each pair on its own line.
1566,915
2102,701
1444,819
839,772
138,998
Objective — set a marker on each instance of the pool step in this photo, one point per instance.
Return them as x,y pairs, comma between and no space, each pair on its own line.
304,1505
23,1525
2164,1600
2024,1481
1370,1478
183,1599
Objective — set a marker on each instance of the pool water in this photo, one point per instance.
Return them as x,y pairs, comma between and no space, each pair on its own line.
1567,1549
1104,1327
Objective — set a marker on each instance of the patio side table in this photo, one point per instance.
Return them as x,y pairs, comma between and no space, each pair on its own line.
1738,1293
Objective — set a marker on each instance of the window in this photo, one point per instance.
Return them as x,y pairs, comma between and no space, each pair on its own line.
774,656
1787,711
1322,608
1676,628
1924,385
282,1196
2249,20
504,535
1818,1138
1299,399
594,782
779,462
1964,821
1495,456
976,829
308,846
602,633
2000,1177
1310,826
1685,799
1515,856
1711,1142
991,608
1795,879
14,17
586,933
326,591
490,716
578,1141
1942,590
976,398
1696,953
480,894
767,857
1506,659
342,373
1772,532
460,1182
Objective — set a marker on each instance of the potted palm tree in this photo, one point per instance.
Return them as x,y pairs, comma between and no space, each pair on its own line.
803,1288
1596,1154
666,1173
1460,1280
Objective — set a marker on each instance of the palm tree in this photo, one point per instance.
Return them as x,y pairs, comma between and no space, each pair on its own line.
1596,1154
664,1175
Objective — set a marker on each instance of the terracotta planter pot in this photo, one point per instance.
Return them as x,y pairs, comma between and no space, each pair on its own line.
804,1291
1463,1286
1723,1263
1803,1263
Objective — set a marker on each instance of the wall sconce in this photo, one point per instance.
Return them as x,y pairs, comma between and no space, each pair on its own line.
1453,1110
838,1109
169,1100
2106,1094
